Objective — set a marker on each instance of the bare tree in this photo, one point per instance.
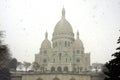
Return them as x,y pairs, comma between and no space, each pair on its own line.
26,65
19,65
35,66
97,66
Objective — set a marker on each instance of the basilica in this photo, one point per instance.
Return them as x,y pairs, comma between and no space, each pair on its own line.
64,54
63,58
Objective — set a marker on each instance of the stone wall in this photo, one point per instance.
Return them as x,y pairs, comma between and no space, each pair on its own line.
58,76
16,76
97,76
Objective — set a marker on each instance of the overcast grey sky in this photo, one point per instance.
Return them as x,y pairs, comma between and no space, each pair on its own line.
26,21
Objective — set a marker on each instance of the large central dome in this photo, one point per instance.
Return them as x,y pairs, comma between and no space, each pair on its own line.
63,26
63,32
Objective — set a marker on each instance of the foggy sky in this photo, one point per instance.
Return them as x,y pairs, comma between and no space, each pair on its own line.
26,21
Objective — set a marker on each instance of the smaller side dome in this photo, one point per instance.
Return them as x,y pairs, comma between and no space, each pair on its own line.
46,43
78,43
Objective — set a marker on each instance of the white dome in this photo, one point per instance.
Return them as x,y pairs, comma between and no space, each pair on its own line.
78,44
46,44
63,26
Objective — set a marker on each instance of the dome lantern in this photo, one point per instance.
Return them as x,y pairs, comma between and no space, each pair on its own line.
77,34
46,35
63,12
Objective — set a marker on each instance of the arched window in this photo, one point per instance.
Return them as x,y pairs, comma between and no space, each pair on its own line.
81,68
78,60
42,68
54,60
78,51
44,60
68,43
66,69
59,69
60,56
52,69
45,51
74,69
55,44
65,43
66,59
70,59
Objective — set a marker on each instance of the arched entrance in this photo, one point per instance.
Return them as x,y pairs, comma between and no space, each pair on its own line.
52,69
72,78
66,69
59,69
39,79
56,78
74,69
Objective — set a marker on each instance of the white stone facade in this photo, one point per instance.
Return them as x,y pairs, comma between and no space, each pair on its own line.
65,53
56,77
